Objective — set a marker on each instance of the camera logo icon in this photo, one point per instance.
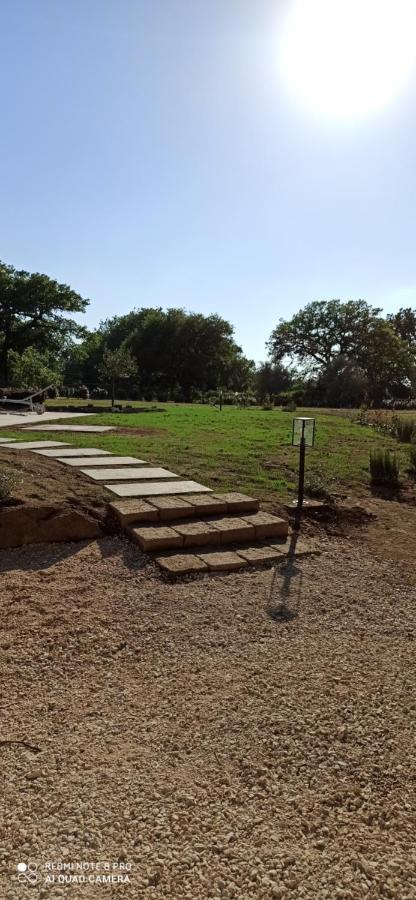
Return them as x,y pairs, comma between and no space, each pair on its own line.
28,872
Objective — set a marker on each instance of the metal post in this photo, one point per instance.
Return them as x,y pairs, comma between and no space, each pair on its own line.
220,401
301,482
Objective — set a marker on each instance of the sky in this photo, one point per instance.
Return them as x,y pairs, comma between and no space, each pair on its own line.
153,153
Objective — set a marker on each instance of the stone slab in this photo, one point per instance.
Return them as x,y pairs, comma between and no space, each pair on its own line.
301,548
207,505
172,508
11,419
70,450
262,555
155,537
182,564
234,529
267,525
129,511
236,502
155,488
197,534
100,460
85,428
128,474
223,560
33,445
4,440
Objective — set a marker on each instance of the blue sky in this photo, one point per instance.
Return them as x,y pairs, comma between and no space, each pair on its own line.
151,154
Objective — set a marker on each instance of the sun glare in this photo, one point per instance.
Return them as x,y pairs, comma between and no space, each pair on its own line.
345,59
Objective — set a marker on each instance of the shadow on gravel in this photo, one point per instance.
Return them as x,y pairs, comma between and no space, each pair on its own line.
34,557
285,597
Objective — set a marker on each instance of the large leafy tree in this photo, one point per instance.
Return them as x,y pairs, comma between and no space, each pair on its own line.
353,334
33,369
321,331
35,311
404,324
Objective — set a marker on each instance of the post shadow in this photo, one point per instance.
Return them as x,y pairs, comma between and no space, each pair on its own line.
283,603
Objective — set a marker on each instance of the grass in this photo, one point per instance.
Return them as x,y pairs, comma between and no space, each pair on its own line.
240,449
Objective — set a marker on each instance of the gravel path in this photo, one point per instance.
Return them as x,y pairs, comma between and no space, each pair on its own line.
184,731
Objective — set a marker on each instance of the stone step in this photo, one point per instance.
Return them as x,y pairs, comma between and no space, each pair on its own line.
217,560
153,488
210,531
33,445
69,450
139,473
98,461
169,508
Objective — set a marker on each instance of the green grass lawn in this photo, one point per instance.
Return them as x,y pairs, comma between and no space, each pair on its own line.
240,449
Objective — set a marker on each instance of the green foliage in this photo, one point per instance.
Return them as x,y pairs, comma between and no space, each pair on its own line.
34,313
353,351
289,407
405,430
272,379
320,485
32,369
8,481
384,468
116,364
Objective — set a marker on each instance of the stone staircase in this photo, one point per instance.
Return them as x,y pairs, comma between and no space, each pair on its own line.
203,532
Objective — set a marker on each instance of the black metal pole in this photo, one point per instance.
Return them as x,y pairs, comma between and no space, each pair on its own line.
301,485
301,481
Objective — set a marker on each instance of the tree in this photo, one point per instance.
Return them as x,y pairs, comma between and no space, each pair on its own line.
117,364
404,324
342,383
34,313
32,369
352,334
321,331
272,379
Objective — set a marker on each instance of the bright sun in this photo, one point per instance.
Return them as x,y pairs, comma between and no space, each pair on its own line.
347,58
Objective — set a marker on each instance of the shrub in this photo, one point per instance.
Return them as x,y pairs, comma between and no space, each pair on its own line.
8,481
290,407
81,392
405,430
99,393
384,468
412,460
267,402
319,485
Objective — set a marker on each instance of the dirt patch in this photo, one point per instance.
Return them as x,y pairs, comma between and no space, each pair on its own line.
185,731
44,480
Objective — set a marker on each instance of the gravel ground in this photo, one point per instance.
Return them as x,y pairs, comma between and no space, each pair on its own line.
183,730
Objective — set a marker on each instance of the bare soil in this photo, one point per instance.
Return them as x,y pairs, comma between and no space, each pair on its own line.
221,749
43,480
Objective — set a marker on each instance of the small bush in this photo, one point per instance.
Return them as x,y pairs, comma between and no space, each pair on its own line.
267,402
290,407
412,460
8,481
320,486
405,430
99,393
384,468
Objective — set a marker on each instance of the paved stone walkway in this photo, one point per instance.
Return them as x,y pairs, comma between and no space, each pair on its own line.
13,419
93,429
177,515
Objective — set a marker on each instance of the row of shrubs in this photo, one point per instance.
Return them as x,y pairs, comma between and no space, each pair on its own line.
400,405
400,427
384,467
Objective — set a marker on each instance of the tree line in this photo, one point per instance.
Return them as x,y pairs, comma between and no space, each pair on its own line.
329,353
